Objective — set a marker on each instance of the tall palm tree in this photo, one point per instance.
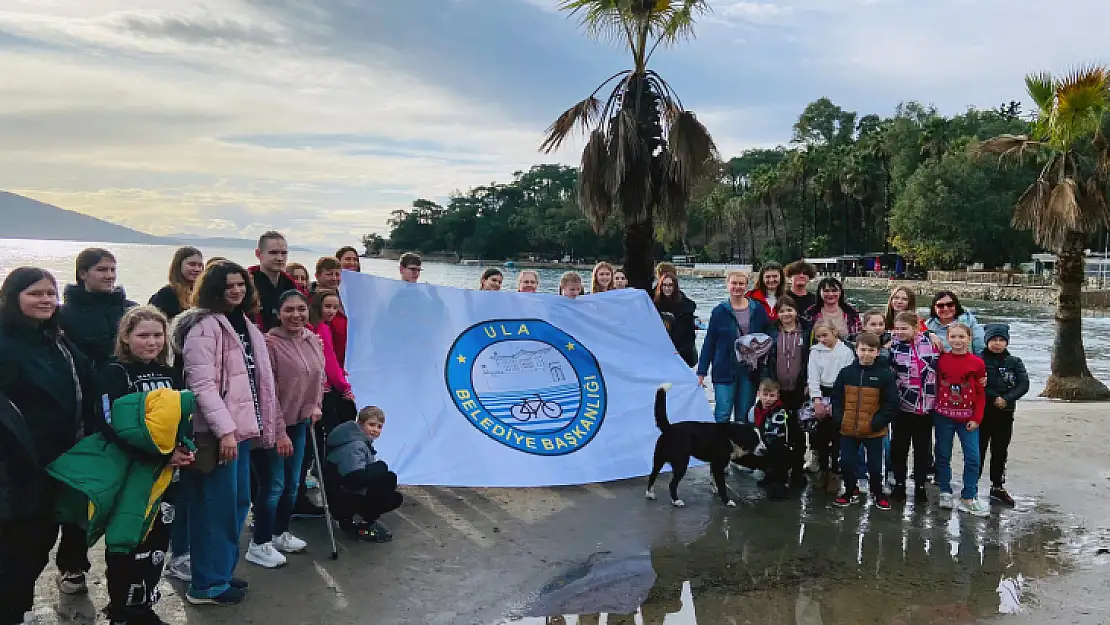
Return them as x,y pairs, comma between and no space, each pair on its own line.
645,151
1066,203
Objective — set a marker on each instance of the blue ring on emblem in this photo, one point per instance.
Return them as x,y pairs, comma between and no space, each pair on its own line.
492,371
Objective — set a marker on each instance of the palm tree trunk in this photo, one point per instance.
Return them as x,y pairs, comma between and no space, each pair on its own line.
639,240
1071,379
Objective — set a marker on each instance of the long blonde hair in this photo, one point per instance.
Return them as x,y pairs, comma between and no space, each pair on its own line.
131,319
595,286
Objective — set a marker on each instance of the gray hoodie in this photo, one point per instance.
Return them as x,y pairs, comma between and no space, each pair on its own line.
350,449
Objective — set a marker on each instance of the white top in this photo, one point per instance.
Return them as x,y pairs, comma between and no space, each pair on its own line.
825,365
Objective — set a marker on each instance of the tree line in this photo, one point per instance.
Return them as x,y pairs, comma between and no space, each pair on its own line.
846,184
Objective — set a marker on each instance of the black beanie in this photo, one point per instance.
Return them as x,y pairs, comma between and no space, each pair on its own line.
996,330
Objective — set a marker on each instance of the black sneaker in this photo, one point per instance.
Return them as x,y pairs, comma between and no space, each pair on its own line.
305,509
882,503
919,495
798,479
856,495
241,584
999,495
381,530
231,596
898,493
72,583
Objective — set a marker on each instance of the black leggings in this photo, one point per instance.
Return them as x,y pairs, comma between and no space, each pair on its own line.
994,436
915,429
25,546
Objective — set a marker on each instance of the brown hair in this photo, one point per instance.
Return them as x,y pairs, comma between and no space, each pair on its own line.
327,263
89,258
770,385
293,267
910,307
269,235
316,306
761,286
567,279
410,259
182,288
371,413
874,312
867,339
487,274
786,302
208,294
960,325
675,297
596,287
909,318
801,267
131,319
662,268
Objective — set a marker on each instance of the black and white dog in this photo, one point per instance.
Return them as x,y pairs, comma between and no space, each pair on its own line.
715,443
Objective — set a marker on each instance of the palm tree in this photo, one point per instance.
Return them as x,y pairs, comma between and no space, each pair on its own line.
645,151
1066,203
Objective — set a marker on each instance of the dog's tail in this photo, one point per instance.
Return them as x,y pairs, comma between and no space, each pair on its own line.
661,420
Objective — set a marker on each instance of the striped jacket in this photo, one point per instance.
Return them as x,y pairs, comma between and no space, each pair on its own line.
915,364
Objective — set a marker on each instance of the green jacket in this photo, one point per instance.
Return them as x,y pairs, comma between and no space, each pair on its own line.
116,492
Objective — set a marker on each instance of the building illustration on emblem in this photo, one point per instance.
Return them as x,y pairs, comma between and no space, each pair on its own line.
527,383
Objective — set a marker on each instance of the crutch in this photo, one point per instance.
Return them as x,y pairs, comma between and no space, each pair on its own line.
323,492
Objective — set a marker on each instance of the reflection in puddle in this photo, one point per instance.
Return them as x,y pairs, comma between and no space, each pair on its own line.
920,567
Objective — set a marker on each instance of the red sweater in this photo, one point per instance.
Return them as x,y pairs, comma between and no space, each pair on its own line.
960,393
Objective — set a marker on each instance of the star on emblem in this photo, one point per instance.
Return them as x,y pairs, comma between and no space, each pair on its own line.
570,347
461,359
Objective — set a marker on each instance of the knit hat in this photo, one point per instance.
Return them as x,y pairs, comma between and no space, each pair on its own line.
997,331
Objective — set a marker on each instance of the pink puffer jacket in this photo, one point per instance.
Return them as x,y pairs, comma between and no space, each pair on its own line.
216,371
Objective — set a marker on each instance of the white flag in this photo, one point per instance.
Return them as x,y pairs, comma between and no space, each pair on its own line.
486,388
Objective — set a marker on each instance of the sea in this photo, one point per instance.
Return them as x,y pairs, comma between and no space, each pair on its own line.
143,269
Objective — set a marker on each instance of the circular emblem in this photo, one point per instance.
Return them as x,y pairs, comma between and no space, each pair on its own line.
527,385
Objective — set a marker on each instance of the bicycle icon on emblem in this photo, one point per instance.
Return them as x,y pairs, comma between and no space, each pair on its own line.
538,407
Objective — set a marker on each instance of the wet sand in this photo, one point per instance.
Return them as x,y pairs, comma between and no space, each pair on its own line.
492,556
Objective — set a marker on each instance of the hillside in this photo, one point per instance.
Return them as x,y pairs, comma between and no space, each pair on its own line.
24,218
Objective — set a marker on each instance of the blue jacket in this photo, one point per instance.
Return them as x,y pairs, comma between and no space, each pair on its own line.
978,336
717,349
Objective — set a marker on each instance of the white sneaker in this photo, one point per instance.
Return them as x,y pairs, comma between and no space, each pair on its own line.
947,501
72,583
310,482
974,507
289,543
265,556
180,567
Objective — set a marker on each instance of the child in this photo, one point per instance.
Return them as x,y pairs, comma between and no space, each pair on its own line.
570,285
140,366
959,411
826,358
363,487
779,431
865,399
1007,382
786,364
874,321
914,358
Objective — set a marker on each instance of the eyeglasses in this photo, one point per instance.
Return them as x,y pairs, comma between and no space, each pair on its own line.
414,269
946,304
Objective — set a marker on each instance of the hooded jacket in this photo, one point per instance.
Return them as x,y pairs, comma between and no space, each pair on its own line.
44,408
216,370
717,350
91,320
865,400
761,297
118,492
915,365
680,326
351,453
1006,378
802,348
978,344
825,364
298,365
335,376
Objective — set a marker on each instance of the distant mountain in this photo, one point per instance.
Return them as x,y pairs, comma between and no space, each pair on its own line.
24,218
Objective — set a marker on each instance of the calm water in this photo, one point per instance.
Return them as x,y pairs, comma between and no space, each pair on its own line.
143,269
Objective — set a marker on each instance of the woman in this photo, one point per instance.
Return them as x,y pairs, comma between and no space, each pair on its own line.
44,379
769,288
601,280
228,367
620,279
946,312
904,299
835,309
349,259
491,280
528,281
734,383
300,276
94,305
185,268
297,356
677,311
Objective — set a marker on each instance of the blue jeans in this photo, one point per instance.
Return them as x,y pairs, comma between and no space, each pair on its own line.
861,469
218,508
969,442
736,399
850,447
179,530
278,480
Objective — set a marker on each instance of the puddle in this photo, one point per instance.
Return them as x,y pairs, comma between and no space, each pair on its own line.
856,566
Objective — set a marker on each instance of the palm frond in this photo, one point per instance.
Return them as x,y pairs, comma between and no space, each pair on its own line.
1096,212
691,147
1006,146
581,114
626,148
674,194
1058,215
1031,205
601,19
1042,88
593,181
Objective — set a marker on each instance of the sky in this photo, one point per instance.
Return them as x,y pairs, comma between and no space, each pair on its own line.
320,117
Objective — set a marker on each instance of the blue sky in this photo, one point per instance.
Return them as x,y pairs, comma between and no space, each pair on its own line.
231,117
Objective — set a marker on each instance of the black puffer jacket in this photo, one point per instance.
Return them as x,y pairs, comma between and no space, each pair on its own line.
679,320
45,399
1006,378
91,320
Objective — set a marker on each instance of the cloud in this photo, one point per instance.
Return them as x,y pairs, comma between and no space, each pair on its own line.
753,11
203,30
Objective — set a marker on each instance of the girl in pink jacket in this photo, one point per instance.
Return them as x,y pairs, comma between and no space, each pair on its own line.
228,367
339,399
297,357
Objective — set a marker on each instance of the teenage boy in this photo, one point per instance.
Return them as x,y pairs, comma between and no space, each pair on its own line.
410,267
270,278
798,275
865,400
